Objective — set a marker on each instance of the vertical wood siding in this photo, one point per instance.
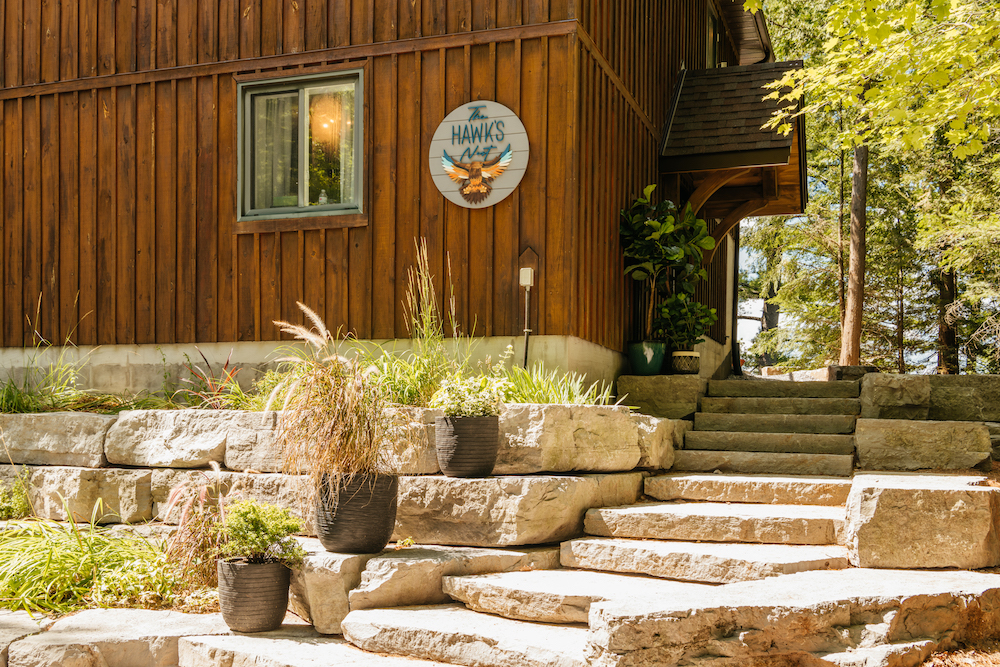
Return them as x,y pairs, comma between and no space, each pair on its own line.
119,200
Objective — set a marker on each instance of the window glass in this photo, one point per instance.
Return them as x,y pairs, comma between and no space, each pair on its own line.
300,152
275,150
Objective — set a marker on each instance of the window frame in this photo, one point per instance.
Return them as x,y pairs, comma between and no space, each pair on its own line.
333,216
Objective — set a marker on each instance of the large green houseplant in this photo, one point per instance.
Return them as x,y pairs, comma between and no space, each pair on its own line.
333,426
663,250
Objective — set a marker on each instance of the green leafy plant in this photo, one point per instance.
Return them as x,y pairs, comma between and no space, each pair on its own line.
14,502
260,533
475,396
684,321
333,421
53,567
538,385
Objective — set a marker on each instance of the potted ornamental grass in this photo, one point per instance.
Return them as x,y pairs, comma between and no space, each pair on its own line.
333,426
256,551
467,437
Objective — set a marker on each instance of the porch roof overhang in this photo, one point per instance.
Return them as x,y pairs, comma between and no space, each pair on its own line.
714,143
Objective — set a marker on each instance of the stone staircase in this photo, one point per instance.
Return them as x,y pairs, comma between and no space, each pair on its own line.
788,428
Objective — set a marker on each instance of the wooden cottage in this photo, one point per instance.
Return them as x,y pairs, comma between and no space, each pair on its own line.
184,171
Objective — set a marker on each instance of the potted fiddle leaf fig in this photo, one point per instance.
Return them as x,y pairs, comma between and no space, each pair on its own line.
468,436
333,426
645,230
256,551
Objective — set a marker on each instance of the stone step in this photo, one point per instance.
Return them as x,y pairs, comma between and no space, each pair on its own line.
802,443
705,562
720,522
454,634
288,647
761,423
837,465
554,596
782,406
783,389
767,489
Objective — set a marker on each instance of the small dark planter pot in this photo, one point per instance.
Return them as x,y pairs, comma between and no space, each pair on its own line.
359,518
253,596
467,446
646,358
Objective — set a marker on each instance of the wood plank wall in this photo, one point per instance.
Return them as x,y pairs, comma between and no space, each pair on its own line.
633,52
118,143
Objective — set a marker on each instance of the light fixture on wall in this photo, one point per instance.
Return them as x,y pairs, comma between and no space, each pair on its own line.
526,278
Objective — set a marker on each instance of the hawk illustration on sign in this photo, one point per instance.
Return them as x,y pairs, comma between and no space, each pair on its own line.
476,178
483,147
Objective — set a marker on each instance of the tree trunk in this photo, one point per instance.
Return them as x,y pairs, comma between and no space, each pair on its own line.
850,335
947,334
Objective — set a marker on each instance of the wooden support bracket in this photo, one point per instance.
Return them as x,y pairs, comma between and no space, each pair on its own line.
711,185
730,221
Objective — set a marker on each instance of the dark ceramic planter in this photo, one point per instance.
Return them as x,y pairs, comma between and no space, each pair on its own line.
359,515
253,596
646,357
467,446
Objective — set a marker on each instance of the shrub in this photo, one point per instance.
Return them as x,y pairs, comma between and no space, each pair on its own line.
260,533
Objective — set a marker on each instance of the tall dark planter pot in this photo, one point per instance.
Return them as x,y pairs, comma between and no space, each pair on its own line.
467,446
358,516
253,596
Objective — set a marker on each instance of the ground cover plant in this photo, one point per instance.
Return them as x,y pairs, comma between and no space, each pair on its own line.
14,497
53,567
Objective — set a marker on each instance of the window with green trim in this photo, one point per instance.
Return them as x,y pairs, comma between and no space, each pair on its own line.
301,143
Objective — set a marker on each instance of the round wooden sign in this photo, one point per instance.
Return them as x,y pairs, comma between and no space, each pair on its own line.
478,154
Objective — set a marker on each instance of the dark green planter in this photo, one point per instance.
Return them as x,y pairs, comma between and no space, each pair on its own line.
646,357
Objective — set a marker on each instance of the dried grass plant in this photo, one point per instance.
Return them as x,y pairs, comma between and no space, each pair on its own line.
332,423
193,547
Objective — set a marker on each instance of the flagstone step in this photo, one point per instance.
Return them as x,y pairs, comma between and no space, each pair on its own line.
802,443
705,562
719,522
454,634
783,406
783,389
288,647
767,489
774,423
837,465
554,596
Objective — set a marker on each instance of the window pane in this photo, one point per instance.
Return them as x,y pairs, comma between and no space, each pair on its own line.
275,150
331,144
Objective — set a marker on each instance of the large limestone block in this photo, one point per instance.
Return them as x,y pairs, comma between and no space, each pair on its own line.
287,491
796,618
665,396
923,521
965,397
414,575
456,635
252,442
766,489
411,448
658,438
55,438
561,438
168,438
900,444
505,511
554,596
321,585
63,493
114,638
895,396
289,646
15,625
